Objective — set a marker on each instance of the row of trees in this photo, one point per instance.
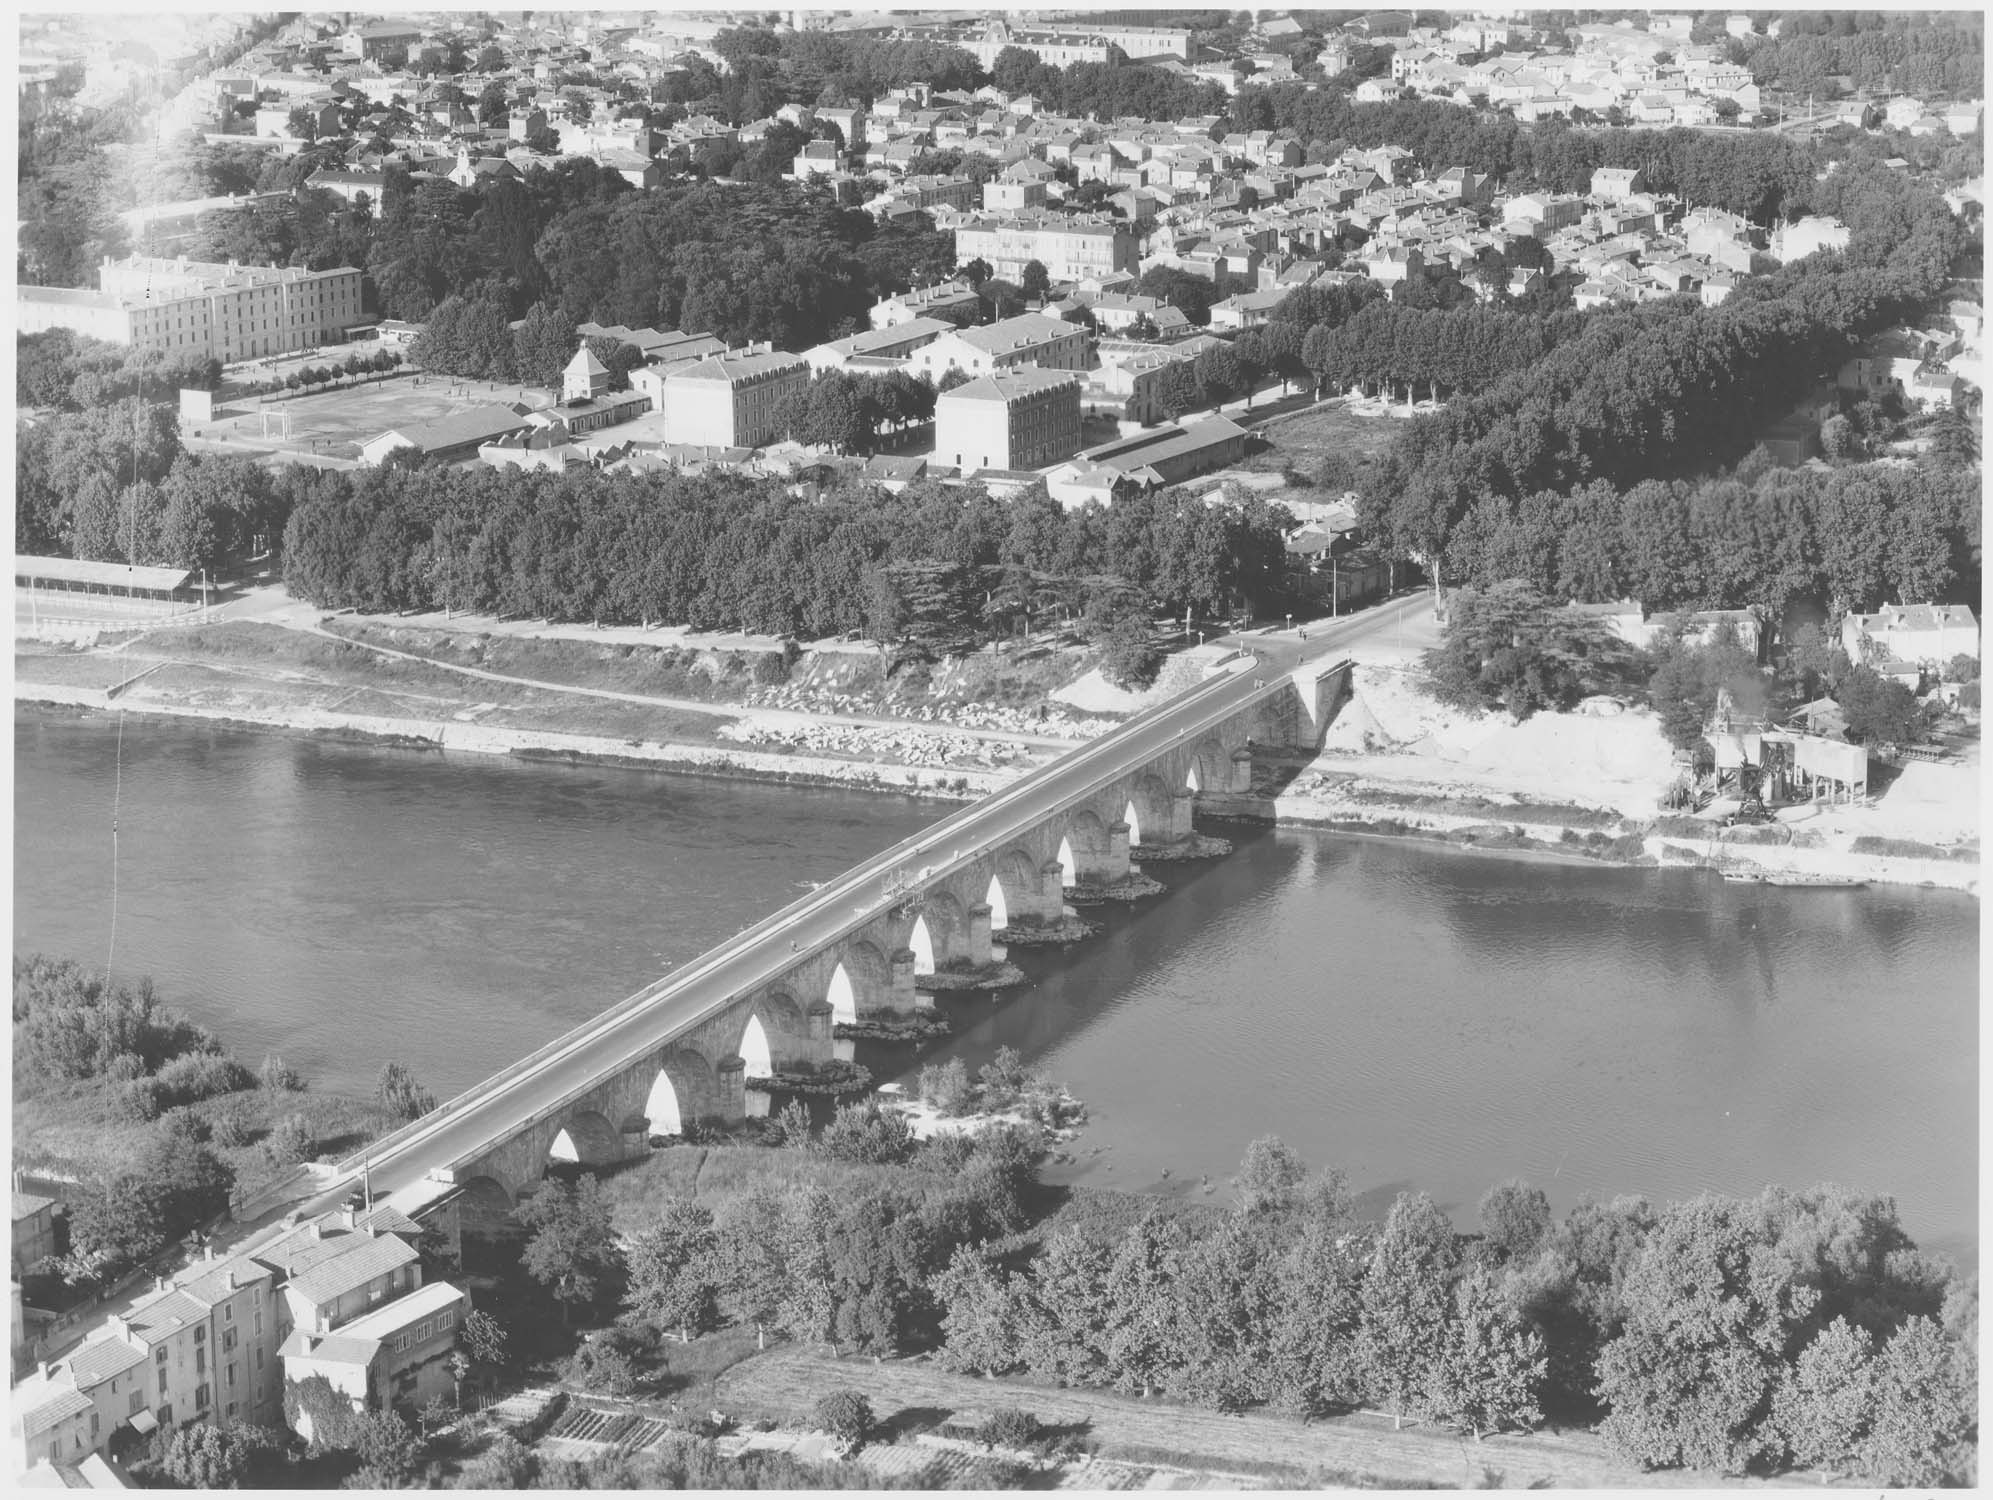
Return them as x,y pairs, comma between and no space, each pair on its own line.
724,552
1760,537
1791,1329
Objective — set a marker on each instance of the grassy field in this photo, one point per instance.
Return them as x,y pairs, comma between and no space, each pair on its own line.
1358,1450
1303,441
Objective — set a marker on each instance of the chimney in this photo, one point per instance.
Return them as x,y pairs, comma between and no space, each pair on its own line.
317,1230
310,1343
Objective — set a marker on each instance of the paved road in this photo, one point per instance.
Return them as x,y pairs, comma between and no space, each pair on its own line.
571,1065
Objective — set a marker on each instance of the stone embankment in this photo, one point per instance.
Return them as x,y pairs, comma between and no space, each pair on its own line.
1056,723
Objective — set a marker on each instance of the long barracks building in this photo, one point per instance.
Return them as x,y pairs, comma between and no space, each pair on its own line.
227,312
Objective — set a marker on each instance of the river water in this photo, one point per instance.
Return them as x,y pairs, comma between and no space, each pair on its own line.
1414,1016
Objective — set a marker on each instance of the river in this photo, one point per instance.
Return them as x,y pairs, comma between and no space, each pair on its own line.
1414,1016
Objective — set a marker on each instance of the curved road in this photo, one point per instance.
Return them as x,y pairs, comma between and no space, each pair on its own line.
571,1065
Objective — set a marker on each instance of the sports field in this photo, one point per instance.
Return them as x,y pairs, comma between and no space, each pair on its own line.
336,422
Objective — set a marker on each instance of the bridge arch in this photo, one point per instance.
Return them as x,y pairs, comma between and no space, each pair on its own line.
1210,768
587,1138
683,1090
1015,887
785,1029
860,981
940,933
757,1058
1084,847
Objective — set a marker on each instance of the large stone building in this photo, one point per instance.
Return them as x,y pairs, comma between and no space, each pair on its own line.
729,401
1028,339
181,307
1069,249
1016,419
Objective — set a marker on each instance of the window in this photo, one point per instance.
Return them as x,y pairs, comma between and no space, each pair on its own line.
55,1451
227,1339
201,1397
400,1342
200,1361
231,1374
137,1402
200,1336
93,1426
159,1355
165,1416
259,1359
444,1320
228,1316
162,1382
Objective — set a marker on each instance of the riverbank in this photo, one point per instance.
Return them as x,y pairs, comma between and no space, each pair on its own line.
1517,829
778,765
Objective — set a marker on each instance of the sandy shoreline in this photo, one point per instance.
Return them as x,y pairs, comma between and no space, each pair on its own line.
1486,835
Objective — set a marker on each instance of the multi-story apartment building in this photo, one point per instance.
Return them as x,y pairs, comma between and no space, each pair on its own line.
1069,249
199,1351
1024,340
1017,419
729,401
213,1345
227,312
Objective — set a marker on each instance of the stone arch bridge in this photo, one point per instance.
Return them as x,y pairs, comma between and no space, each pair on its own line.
765,1002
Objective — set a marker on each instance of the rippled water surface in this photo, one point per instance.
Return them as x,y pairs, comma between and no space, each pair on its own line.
1412,1015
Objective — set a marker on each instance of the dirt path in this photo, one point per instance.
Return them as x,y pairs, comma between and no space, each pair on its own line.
792,1379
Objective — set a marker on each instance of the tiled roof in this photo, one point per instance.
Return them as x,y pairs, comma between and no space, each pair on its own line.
102,1358
58,1408
366,1260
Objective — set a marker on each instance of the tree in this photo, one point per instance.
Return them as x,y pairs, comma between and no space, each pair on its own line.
278,1076
1823,1406
1709,1311
1879,710
1924,1413
1491,1365
389,1450
542,345
292,1140
976,272
505,1464
400,1097
753,1275
845,1415
573,1243
1035,281
1269,1176
1138,1343
1506,646
483,1338
1407,1305
1129,658
205,1457
671,1265
1515,1217
981,1323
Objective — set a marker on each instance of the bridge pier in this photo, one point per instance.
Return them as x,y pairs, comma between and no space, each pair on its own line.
1242,772
978,936
820,1019
901,997
731,1077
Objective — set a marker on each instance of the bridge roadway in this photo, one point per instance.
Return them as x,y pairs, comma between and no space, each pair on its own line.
569,1066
